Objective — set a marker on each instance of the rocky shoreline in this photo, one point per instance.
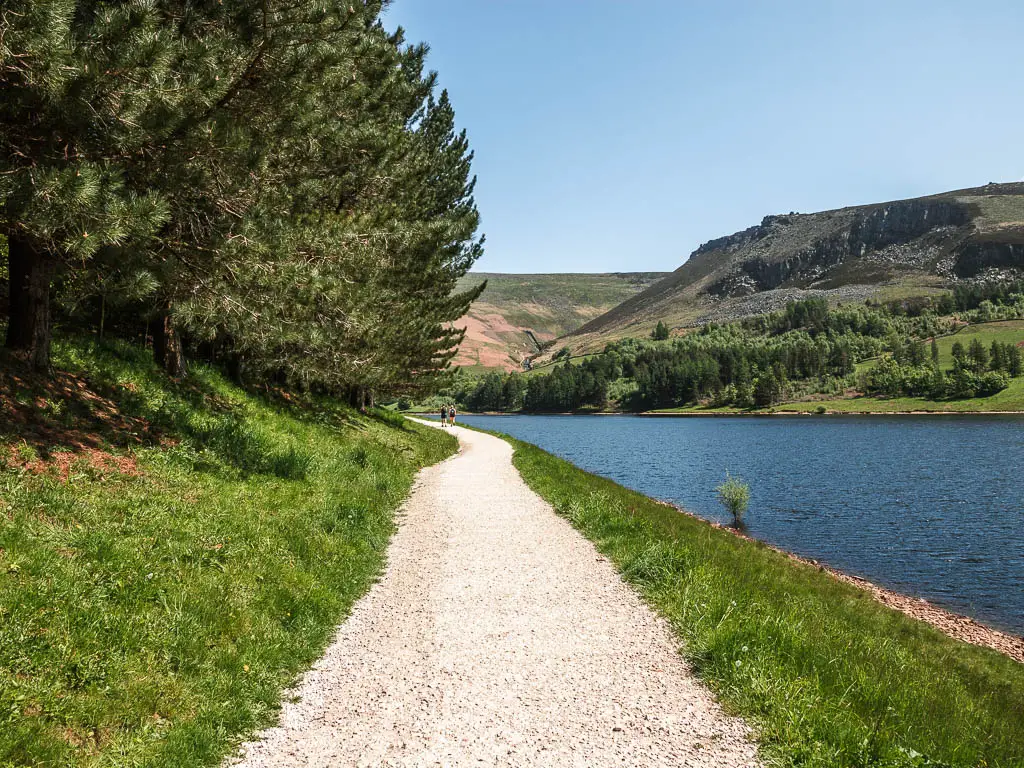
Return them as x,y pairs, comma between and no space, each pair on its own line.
957,626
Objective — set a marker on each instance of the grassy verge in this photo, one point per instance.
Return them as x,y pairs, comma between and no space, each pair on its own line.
827,676
158,592
1010,399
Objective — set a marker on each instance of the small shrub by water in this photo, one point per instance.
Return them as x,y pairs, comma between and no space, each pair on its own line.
735,497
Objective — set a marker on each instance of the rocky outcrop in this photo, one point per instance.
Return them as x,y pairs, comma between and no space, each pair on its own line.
979,256
732,242
898,223
898,234
806,265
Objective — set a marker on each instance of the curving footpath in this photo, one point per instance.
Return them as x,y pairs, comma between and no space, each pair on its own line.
498,636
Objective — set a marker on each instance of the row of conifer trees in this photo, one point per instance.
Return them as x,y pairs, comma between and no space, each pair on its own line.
278,181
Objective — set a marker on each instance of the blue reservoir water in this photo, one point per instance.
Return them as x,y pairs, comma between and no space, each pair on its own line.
931,506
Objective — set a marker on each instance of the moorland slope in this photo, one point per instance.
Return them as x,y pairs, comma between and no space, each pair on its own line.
516,313
883,250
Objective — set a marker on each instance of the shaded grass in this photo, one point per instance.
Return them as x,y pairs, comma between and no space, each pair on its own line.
154,619
827,676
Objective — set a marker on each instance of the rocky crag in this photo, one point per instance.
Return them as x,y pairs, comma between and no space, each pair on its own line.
886,250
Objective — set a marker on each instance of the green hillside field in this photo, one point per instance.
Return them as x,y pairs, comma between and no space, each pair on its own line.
1010,399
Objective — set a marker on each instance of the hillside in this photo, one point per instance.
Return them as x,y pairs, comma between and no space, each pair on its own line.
499,325
885,250
174,553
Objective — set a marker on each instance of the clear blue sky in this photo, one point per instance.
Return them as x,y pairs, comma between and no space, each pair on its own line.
618,136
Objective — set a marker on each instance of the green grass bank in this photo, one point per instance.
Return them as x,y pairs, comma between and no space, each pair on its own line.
172,555
826,675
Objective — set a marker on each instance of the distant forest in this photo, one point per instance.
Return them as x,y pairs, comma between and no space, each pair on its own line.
807,348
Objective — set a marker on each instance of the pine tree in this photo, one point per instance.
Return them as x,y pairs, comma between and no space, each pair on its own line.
978,356
959,355
66,126
995,355
288,185
937,389
435,194
359,245
1014,365
238,152
767,388
918,355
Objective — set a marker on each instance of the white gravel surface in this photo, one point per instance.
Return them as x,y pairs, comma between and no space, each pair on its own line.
498,636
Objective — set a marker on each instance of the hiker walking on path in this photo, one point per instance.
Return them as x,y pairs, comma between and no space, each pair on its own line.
499,636
451,415
444,415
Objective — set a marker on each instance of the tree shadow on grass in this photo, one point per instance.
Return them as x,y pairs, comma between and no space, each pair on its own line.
64,411
115,397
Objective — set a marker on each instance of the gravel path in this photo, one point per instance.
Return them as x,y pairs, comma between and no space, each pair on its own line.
498,636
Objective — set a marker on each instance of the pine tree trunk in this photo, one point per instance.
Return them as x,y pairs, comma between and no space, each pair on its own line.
30,273
234,367
166,344
357,397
